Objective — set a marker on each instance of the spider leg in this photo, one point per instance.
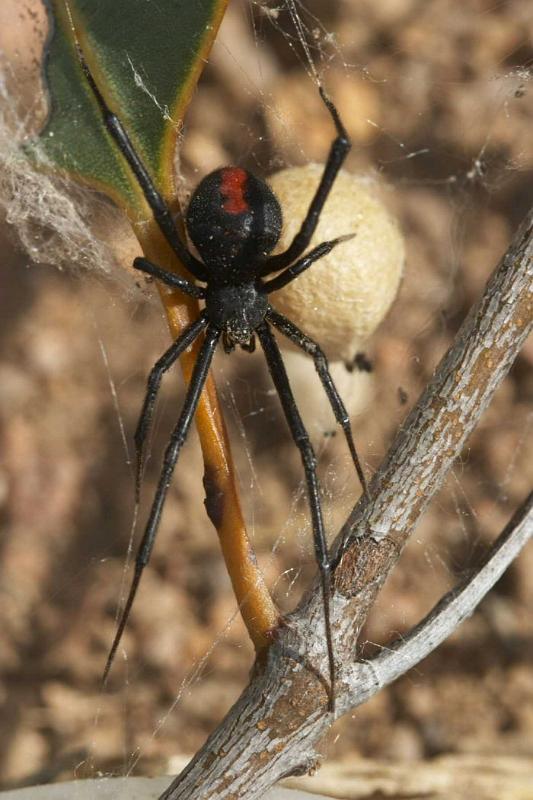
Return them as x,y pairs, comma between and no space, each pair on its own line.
304,263
169,278
177,439
338,151
301,439
292,332
154,382
159,208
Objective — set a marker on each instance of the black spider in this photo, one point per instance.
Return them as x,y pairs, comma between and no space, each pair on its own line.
234,221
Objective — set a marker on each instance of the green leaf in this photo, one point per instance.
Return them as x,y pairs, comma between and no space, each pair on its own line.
146,56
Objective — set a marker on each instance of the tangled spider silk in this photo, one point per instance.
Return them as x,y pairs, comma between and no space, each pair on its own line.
54,218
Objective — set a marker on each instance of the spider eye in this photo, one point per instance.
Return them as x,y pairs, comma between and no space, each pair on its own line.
234,220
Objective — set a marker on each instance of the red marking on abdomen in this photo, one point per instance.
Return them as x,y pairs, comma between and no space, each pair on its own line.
232,190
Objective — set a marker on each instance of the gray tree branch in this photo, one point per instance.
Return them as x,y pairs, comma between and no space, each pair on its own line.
368,677
274,728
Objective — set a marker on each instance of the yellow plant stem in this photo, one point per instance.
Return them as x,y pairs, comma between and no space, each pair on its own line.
222,502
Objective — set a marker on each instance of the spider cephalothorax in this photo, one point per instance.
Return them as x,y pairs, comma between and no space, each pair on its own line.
234,221
237,310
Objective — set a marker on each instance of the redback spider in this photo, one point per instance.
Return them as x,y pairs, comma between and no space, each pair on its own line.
234,220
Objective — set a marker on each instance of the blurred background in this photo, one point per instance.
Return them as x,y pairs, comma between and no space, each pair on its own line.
438,98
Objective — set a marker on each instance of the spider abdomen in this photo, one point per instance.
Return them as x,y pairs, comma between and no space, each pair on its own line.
236,310
234,220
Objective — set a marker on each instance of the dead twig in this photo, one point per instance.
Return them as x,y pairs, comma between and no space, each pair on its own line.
273,729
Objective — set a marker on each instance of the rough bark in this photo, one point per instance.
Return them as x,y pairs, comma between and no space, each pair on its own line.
273,729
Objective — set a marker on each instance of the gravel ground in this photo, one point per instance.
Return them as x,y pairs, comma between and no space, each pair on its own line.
445,85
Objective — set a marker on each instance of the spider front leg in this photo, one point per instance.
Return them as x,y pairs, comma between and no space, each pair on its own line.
305,343
179,434
154,382
339,149
301,439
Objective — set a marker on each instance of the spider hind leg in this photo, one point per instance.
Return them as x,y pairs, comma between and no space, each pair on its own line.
339,149
116,130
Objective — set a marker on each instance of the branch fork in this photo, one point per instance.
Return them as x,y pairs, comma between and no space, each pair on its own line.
275,727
